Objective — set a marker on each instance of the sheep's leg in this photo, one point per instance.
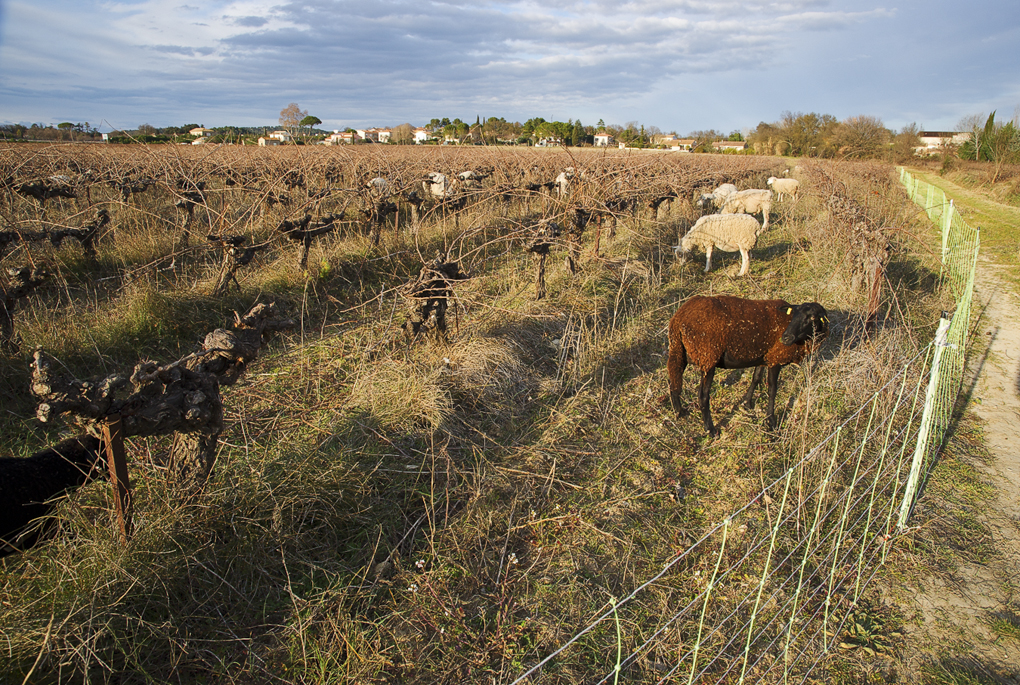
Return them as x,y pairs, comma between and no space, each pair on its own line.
440,309
676,364
773,385
748,399
704,392
765,209
708,258
745,261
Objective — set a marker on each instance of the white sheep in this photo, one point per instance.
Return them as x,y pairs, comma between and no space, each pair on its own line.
563,181
378,187
750,202
438,185
717,198
784,187
727,232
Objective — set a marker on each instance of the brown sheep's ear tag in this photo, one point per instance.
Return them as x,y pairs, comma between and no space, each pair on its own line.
789,311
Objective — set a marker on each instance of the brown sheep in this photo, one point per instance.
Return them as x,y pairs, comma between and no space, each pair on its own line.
728,332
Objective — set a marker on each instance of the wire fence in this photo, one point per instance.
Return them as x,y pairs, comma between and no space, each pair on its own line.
767,592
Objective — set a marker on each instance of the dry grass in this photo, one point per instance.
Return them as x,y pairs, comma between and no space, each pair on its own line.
431,513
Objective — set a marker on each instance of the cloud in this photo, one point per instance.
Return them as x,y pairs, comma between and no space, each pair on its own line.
357,62
250,21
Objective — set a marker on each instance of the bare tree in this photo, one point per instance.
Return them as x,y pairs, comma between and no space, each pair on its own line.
862,137
403,134
291,116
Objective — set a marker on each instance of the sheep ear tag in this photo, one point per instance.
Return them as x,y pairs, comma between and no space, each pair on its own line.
789,311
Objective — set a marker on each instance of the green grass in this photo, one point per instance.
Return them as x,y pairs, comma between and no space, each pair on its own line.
999,223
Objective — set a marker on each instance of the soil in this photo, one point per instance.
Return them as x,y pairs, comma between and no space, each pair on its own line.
953,618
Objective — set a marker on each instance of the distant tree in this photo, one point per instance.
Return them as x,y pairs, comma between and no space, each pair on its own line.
995,143
291,115
403,134
308,121
704,141
147,130
736,136
905,142
861,137
66,127
577,135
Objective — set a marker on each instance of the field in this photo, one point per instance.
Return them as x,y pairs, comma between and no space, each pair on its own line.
396,507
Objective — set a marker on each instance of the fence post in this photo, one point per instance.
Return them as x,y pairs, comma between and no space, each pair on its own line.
925,429
947,225
113,446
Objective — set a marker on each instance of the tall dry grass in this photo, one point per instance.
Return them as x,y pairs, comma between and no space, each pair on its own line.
432,513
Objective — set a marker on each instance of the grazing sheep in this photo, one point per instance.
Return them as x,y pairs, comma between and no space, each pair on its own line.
378,187
563,181
726,332
784,187
750,202
717,198
437,185
727,232
28,486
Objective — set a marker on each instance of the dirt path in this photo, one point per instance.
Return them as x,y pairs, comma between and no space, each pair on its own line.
972,614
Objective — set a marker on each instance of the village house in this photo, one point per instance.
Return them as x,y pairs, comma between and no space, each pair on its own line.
201,132
282,136
268,142
724,145
604,140
340,138
933,142
383,135
421,135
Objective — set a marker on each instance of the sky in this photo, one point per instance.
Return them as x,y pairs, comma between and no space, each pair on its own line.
680,65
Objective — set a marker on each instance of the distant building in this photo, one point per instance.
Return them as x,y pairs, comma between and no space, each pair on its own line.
724,145
421,135
282,136
383,135
340,138
935,141
269,142
201,132
604,140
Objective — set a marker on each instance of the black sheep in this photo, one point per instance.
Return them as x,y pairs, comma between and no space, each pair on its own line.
28,486
726,332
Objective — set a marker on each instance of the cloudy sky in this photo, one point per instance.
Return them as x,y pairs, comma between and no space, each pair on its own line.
680,65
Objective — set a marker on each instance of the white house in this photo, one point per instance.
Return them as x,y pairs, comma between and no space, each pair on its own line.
604,140
201,132
282,136
934,141
383,135
268,142
724,145
340,138
421,135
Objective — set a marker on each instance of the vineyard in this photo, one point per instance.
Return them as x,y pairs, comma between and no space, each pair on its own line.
401,415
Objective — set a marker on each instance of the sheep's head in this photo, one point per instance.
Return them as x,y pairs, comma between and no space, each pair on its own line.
809,322
771,180
704,200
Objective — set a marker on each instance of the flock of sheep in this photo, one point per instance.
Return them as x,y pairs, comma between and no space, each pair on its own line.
734,228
